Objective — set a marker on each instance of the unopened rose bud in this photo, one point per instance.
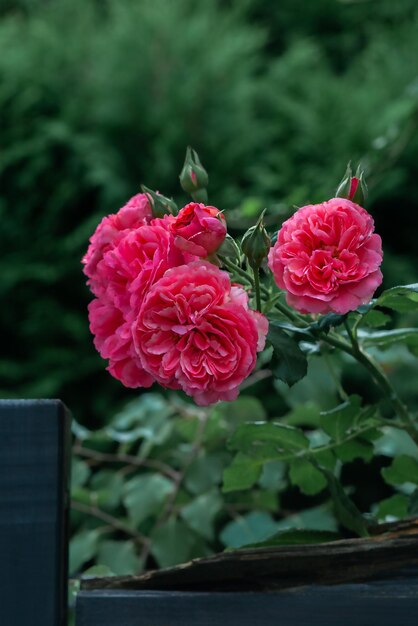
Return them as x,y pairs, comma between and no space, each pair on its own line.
199,229
160,205
194,178
256,243
353,188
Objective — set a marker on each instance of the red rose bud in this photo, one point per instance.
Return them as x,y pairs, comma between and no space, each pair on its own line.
194,178
160,204
353,188
256,243
199,229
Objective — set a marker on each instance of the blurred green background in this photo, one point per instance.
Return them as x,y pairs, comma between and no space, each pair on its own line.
97,97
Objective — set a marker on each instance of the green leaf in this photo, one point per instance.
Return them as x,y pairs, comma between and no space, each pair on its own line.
375,318
289,362
243,473
404,469
307,477
337,422
328,321
172,543
120,557
145,494
318,518
251,528
83,547
395,506
297,536
108,485
80,472
404,298
345,509
201,512
386,338
307,414
355,449
205,472
269,440
273,476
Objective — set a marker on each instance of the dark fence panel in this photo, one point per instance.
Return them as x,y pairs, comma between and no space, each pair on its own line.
384,603
34,462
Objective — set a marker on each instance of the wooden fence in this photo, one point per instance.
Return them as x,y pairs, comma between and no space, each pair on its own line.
34,468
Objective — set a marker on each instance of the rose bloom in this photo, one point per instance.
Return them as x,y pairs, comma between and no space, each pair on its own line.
111,229
327,257
122,277
113,340
140,258
199,229
196,332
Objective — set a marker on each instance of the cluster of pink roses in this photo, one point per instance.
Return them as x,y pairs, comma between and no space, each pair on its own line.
163,312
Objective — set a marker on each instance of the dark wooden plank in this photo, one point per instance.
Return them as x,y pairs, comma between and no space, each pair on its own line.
384,603
263,569
34,462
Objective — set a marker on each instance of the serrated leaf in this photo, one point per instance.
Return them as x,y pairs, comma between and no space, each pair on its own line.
355,449
338,421
345,509
404,469
205,472
403,298
201,512
243,473
80,473
307,477
375,318
275,438
145,494
251,528
395,506
120,557
386,338
289,363
172,543
83,547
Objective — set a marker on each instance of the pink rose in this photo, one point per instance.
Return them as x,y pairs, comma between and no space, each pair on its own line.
111,229
140,257
122,277
194,332
327,257
113,340
199,229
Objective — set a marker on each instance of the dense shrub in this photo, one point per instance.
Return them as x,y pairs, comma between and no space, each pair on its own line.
100,96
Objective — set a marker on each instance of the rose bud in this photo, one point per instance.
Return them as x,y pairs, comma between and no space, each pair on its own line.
160,204
353,188
194,178
256,243
199,229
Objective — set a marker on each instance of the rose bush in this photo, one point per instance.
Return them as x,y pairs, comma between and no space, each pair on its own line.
176,307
